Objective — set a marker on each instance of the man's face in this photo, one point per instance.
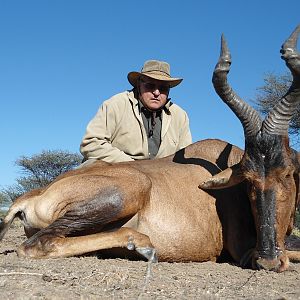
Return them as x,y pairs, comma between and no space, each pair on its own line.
153,93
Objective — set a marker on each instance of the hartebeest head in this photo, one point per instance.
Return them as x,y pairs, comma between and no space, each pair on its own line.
269,165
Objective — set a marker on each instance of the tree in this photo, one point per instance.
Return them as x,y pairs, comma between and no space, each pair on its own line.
274,88
39,170
4,202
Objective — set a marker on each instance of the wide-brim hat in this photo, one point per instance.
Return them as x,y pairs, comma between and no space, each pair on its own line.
155,69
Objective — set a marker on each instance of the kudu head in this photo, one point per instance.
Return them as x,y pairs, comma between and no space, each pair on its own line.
269,166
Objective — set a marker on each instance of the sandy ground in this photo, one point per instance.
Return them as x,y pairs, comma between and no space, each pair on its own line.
93,278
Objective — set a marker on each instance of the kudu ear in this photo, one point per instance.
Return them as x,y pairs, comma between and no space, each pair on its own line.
225,179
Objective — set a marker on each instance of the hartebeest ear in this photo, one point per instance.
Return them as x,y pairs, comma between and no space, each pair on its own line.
227,178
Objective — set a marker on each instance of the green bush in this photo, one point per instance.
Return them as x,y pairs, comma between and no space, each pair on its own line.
38,171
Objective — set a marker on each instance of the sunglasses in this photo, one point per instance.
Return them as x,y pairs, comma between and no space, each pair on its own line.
150,86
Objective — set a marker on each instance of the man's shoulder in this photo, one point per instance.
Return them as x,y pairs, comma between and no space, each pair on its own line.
176,109
118,98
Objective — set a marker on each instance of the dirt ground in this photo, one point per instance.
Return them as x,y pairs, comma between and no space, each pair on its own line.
93,278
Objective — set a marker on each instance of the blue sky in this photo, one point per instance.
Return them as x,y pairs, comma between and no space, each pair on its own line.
60,59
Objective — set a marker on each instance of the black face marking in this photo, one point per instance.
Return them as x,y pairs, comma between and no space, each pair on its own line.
264,154
266,235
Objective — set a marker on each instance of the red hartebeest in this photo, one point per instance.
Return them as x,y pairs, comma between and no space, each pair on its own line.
243,209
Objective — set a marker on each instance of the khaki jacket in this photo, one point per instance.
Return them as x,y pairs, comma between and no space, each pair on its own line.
117,132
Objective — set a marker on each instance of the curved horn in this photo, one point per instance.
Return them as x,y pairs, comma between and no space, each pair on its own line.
277,121
248,116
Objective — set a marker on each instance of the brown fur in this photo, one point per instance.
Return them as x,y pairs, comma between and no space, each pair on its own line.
243,209
162,197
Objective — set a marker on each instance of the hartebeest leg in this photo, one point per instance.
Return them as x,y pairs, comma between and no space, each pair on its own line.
293,256
78,231
292,246
54,246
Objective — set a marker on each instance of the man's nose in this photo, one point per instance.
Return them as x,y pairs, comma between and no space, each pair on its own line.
156,91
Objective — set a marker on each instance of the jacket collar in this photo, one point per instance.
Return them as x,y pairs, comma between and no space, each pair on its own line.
166,120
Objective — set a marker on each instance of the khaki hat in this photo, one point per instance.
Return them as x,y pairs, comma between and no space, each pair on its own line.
155,69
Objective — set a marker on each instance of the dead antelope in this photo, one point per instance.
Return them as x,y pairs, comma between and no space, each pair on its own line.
242,211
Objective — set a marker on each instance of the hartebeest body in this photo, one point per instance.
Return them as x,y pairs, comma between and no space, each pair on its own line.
243,209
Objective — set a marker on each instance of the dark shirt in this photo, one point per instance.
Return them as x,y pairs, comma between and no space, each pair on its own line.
152,123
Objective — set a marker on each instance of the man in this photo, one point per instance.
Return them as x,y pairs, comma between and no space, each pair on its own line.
139,124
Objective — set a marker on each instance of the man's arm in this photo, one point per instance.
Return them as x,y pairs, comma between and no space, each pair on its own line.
96,143
185,137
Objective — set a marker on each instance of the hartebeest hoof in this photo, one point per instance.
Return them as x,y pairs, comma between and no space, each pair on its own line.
148,253
42,247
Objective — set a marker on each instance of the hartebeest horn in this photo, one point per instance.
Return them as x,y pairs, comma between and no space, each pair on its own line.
248,116
277,121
